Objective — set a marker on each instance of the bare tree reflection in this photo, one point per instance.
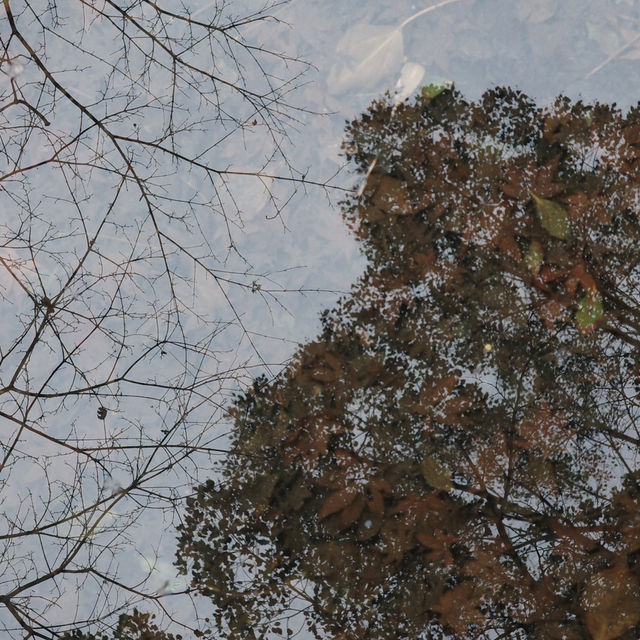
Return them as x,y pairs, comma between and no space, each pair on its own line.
122,299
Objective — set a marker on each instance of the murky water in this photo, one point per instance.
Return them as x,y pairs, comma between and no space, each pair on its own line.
444,440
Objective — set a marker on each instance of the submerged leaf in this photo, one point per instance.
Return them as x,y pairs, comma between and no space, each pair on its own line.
371,53
589,310
375,52
436,474
410,79
553,217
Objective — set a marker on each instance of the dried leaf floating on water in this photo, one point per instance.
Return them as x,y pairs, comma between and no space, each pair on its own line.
553,217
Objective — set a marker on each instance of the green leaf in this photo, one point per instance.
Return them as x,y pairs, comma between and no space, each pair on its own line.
553,217
535,257
432,90
436,474
589,310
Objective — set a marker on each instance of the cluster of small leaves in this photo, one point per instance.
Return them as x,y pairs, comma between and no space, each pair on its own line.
548,184
454,455
135,626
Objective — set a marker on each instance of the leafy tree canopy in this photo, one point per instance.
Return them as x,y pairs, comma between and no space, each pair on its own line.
455,455
134,626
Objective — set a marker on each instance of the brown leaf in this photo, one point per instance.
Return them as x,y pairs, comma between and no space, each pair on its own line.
587,209
516,185
311,439
454,408
611,602
436,474
553,123
484,228
508,245
352,512
337,501
551,312
547,274
390,195
438,544
631,134
573,541
547,431
424,261
543,185
318,365
378,488
459,609
434,392
584,277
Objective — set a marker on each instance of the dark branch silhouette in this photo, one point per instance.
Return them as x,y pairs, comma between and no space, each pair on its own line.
124,294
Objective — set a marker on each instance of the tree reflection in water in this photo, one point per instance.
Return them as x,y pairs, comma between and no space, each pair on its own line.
456,455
